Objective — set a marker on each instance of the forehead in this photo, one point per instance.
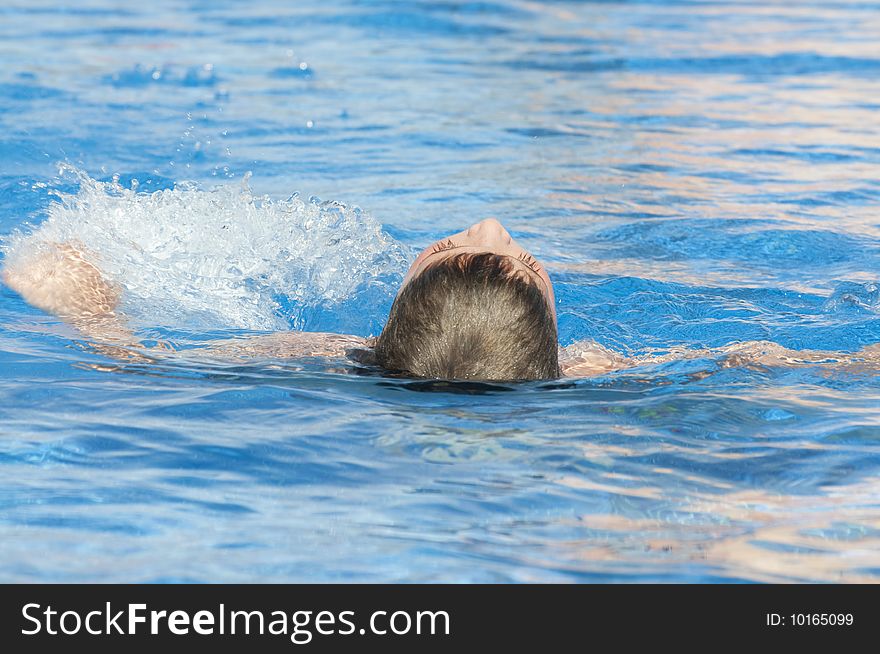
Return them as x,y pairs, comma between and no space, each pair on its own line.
512,266
508,263
461,243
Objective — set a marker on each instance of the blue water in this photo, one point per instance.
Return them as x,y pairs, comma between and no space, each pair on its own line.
693,173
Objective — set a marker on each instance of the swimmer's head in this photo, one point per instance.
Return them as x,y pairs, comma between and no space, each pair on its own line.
475,305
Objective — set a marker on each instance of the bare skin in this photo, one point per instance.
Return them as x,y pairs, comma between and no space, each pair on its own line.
64,280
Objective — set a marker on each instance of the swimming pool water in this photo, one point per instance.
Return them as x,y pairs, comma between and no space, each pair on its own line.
693,173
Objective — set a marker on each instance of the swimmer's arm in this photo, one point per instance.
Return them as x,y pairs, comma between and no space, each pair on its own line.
587,359
764,354
290,344
62,280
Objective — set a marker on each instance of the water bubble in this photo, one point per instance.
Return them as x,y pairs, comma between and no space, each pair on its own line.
778,414
854,297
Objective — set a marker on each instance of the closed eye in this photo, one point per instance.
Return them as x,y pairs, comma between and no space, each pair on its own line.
442,245
530,261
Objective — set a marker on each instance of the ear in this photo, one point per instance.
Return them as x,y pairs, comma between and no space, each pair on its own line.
365,356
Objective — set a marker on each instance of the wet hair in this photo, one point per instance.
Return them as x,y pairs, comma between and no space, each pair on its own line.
473,316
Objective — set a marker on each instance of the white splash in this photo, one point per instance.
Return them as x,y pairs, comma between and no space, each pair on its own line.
221,258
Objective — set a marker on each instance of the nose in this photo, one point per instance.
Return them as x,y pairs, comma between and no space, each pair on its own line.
489,231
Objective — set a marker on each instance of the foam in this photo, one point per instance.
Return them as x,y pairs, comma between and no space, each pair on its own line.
223,258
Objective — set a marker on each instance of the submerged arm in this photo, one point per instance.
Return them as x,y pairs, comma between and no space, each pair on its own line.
286,345
587,359
61,279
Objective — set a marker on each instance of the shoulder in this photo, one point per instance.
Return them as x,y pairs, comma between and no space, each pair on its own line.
587,358
290,345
